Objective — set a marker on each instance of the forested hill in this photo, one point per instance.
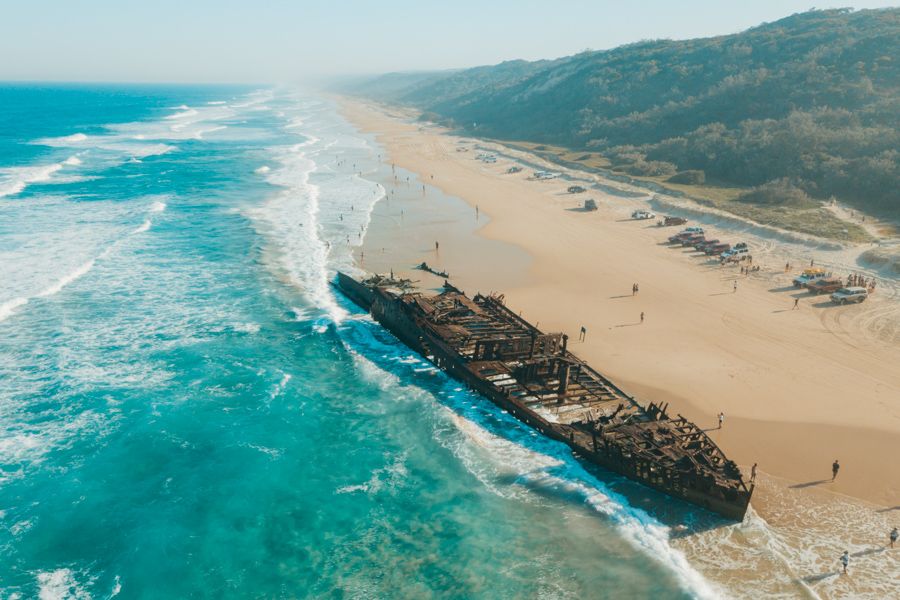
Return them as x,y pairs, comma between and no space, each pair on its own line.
811,101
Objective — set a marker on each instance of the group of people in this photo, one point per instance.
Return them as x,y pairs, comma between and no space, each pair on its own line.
855,280
750,269
634,289
893,536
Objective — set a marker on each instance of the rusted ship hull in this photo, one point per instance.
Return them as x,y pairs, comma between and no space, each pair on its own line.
532,375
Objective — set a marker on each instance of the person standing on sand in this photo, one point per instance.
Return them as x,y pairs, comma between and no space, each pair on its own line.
894,535
721,419
642,317
796,303
835,467
582,334
734,289
753,473
436,246
845,560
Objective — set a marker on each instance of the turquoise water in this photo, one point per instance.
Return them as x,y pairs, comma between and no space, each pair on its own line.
188,410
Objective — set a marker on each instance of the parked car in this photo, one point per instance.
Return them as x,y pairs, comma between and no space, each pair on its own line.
576,189
642,214
514,170
808,275
683,234
701,246
736,254
717,249
825,285
693,239
850,294
668,221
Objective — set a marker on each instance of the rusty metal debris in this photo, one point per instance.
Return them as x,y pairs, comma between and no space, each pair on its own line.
533,375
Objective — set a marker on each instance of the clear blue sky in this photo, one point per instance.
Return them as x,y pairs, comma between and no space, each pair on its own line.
282,41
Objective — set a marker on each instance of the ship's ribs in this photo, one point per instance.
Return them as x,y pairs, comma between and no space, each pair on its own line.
532,373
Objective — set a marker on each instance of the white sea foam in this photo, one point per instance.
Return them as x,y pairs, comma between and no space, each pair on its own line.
62,141
185,112
14,180
9,307
60,585
262,170
72,161
157,207
251,328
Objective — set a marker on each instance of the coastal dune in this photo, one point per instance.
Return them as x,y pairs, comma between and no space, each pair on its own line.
799,388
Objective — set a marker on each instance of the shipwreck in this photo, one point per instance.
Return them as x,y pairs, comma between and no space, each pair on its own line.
533,376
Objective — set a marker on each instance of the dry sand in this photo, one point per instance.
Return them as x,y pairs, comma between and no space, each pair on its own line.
799,388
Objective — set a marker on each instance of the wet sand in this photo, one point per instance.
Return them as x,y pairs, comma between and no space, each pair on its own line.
799,387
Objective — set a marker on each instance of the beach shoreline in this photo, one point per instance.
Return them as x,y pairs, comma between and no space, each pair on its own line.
851,433
786,380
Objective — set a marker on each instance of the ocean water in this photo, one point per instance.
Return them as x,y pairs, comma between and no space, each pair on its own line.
188,409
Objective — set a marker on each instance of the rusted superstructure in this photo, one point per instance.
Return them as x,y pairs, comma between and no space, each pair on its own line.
533,375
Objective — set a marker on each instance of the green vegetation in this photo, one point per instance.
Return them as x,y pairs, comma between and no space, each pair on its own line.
812,99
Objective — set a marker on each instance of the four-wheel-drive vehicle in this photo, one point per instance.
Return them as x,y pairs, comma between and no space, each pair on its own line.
702,245
576,189
668,221
642,214
683,234
735,254
717,249
693,239
849,294
514,170
808,275
825,285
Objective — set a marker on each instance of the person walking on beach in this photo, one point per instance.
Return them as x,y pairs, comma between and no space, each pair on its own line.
845,560
734,289
894,535
582,334
753,473
835,467
721,419
642,317
796,303
436,246
633,289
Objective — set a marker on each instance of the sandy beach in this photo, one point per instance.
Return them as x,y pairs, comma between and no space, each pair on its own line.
799,388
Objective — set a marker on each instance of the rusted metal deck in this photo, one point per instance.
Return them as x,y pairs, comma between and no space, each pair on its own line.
533,375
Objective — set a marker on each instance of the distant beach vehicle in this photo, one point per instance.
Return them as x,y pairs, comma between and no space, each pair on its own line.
850,294
668,221
514,170
590,204
642,214
576,189
545,175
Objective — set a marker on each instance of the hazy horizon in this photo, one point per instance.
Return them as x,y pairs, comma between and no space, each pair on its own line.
233,41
